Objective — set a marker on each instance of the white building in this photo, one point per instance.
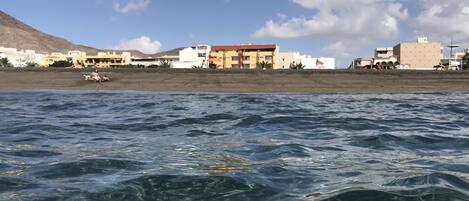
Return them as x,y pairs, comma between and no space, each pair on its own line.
384,52
20,58
190,57
317,62
288,58
193,57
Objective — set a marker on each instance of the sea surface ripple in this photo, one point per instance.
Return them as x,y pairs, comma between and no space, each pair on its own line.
95,145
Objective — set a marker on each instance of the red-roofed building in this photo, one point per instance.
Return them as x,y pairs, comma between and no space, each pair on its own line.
245,56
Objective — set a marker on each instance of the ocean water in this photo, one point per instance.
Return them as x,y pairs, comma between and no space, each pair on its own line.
95,145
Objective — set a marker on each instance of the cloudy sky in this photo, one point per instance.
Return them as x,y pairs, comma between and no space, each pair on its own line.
344,29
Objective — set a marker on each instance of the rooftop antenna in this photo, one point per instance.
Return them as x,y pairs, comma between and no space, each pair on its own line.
451,47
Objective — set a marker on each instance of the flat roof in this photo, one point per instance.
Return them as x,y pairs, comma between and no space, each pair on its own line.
243,47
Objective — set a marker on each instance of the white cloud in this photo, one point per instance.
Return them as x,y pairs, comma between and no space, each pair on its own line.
444,19
346,21
143,44
131,6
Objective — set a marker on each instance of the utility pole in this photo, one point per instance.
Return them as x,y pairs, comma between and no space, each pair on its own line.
451,47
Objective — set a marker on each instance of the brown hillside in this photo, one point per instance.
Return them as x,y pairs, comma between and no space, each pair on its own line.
16,34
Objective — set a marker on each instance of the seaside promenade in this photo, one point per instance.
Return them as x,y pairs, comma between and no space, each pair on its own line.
240,81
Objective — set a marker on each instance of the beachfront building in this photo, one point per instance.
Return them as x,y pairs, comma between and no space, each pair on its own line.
193,57
190,57
106,60
20,58
287,59
319,63
361,63
245,56
52,58
384,52
76,57
385,59
420,55
153,61
454,62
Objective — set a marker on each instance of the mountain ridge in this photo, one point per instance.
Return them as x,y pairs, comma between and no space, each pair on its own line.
16,34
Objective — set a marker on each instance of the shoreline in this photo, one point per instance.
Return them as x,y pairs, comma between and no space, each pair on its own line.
240,81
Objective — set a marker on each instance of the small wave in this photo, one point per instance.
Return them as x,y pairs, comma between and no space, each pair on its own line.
413,142
423,194
199,133
432,180
8,184
60,106
166,187
251,120
86,167
269,152
33,128
32,153
208,119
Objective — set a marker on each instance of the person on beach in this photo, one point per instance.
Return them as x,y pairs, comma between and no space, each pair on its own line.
95,76
105,78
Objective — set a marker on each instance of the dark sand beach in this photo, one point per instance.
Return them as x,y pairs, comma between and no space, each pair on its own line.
238,81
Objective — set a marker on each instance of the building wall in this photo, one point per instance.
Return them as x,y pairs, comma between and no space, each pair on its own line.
20,58
106,60
50,59
287,58
384,52
418,56
193,56
317,63
243,58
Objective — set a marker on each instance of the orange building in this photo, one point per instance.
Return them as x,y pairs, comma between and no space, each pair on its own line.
243,56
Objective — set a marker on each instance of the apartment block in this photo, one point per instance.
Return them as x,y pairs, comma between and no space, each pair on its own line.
243,56
421,55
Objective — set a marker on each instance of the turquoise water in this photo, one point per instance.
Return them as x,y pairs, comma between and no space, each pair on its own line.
85,145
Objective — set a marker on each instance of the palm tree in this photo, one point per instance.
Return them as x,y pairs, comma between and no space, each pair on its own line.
465,61
263,65
300,66
4,63
296,66
165,64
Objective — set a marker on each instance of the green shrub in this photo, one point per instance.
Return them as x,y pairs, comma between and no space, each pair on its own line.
264,65
466,61
5,63
61,64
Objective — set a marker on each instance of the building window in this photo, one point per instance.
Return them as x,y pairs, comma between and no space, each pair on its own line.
234,66
202,55
247,66
268,58
246,58
234,58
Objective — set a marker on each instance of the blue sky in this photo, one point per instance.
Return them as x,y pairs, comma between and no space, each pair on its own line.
334,28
